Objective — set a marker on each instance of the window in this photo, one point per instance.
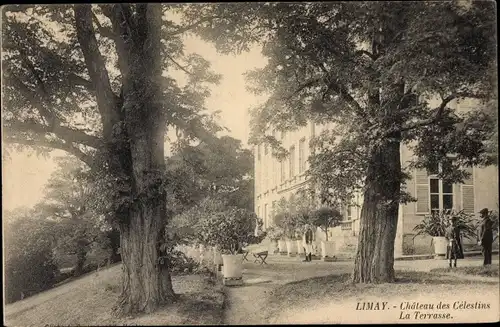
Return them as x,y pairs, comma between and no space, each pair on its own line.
273,208
282,170
433,193
302,157
441,194
265,215
358,211
275,178
292,161
349,213
313,130
265,149
265,183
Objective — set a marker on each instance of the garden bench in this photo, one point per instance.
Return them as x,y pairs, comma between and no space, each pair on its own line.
260,257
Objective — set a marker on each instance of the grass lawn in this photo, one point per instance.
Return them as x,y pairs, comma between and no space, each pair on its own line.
333,299
484,271
88,301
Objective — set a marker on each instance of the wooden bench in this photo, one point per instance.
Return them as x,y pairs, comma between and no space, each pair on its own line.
260,257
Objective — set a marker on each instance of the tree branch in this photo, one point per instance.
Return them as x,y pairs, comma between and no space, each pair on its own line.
95,63
68,147
104,31
303,86
186,28
179,65
67,134
439,112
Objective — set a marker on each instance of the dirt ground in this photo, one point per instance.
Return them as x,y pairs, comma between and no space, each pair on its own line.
288,291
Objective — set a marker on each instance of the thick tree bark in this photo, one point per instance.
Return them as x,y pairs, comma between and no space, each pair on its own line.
133,129
374,261
146,279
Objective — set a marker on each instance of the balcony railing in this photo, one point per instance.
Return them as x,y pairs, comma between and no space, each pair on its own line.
346,225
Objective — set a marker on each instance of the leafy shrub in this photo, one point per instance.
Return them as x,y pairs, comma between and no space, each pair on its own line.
326,217
436,224
275,233
29,274
182,264
29,262
229,230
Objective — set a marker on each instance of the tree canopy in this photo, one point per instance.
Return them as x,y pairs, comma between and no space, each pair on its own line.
379,75
49,95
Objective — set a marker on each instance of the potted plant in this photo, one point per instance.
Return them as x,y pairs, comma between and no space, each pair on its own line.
229,231
289,227
275,235
325,218
436,224
279,230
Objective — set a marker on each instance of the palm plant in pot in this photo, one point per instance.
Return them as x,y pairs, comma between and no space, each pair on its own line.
229,231
325,218
436,224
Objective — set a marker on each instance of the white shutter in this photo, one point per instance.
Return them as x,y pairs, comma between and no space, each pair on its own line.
468,204
422,191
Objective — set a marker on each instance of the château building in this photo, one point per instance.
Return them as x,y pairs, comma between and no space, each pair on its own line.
276,179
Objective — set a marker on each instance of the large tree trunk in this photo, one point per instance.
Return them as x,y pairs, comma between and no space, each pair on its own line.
374,261
134,125
146,278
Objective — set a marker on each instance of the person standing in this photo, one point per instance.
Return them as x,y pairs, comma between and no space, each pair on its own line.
455,250
308,243
486,235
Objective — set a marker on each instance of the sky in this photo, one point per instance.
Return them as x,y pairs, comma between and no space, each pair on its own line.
24,176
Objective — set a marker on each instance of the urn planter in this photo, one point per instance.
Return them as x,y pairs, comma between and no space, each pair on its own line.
300,247
440,245
282,247
232,269
291,247
328,249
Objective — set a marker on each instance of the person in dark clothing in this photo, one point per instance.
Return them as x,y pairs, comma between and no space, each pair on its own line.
486,235
455,250
308,243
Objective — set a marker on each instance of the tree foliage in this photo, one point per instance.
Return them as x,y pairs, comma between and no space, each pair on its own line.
71,201
325,218
29,263
378,75
196,172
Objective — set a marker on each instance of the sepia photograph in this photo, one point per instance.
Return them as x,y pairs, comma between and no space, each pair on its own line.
250,163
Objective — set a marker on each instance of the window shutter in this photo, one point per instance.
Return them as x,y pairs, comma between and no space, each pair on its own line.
422,190
468,193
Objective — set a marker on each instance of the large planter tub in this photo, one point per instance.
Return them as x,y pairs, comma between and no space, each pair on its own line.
232,269
282,247
440,245
328,249
291,247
